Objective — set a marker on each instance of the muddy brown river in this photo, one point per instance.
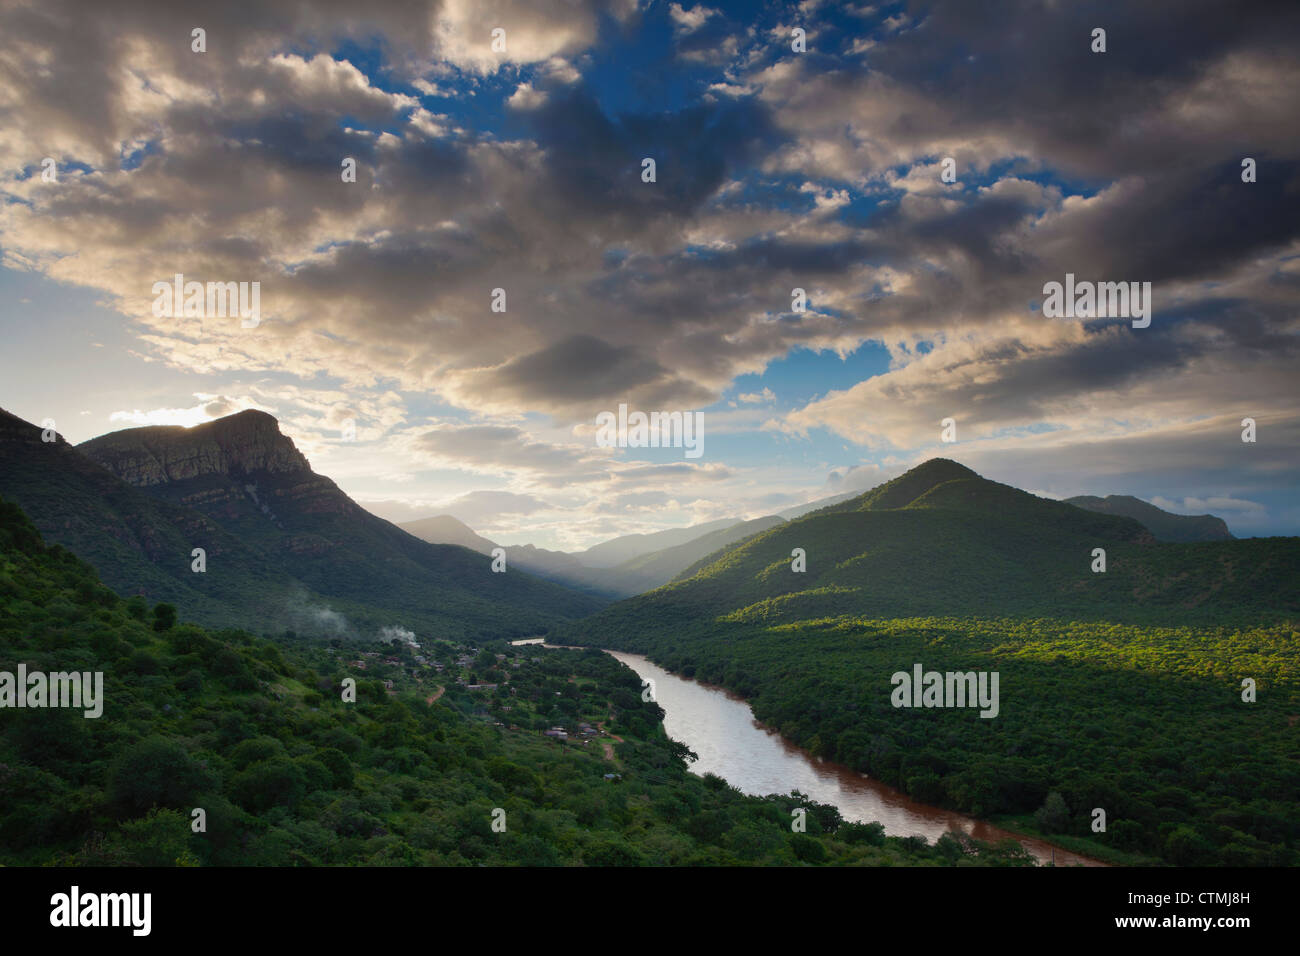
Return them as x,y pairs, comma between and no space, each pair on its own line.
719,727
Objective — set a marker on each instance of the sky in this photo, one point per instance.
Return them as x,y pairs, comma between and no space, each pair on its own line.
782,161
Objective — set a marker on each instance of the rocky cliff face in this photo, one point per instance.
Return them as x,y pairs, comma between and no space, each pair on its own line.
246,444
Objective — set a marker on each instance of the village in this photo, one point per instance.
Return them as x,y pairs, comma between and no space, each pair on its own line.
518,692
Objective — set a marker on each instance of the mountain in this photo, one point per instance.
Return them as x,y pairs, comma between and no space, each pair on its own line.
444,529
247,444
1163,524
552,565
140,544
284,546
557,566
247,477
659,567
626,547
941,539
644,572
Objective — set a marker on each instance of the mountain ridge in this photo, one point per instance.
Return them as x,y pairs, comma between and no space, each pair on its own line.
285,546
244,443
942,539
640,573
1165,525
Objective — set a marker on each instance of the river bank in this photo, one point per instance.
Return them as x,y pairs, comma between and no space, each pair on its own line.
720,728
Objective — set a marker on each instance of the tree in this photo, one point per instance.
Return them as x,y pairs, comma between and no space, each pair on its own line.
164,617
269,783
806,849
157,771
159,839
1053,816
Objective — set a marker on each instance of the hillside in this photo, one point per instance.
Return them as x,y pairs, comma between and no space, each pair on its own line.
284,546
1165,525
258,737
1120,689
248,478
140,545
940,539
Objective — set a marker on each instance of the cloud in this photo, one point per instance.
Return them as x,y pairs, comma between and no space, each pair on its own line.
1200,506
209,407
534,30
688,21
496,448
817,171
526,98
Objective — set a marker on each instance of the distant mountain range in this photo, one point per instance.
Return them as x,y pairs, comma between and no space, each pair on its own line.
628,547
623,566
444,529
284,547
634,563
644,561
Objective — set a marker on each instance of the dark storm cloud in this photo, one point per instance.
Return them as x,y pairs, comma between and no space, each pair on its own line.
1192,223
581,370
593,162
1028,66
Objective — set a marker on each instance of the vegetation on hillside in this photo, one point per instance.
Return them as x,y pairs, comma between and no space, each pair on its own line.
255,733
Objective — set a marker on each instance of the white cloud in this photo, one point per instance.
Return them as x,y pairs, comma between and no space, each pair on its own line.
688,21
526,98
1200,506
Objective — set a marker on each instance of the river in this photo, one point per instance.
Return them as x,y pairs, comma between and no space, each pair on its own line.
720,727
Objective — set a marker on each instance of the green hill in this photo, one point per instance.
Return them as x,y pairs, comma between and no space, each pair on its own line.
940,540
1121,689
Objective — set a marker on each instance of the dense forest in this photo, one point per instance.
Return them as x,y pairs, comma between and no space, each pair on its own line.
1145,723
256,734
